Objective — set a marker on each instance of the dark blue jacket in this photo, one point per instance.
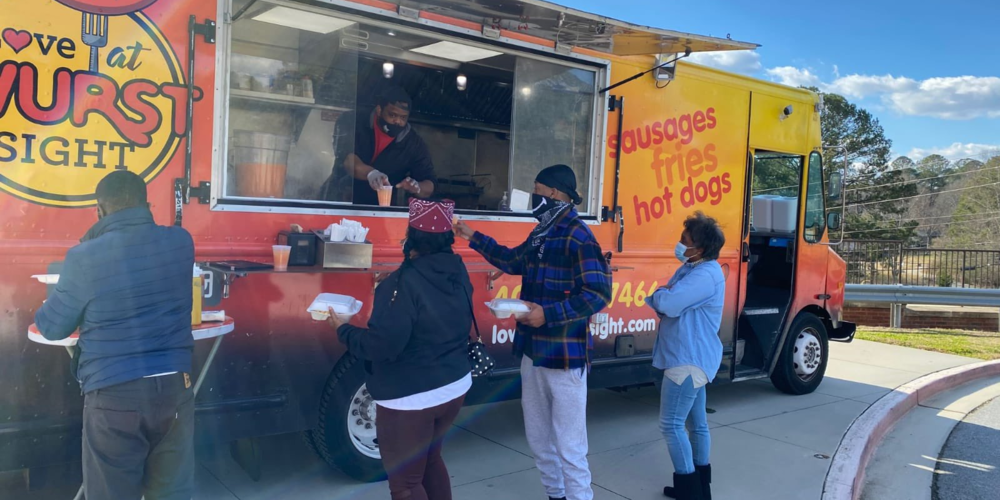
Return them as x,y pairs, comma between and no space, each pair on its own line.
127,287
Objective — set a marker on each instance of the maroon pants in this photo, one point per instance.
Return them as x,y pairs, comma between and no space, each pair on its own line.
410,442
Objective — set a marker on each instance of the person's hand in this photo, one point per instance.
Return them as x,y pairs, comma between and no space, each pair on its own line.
409,185
377,179
334,320
535,317
463,230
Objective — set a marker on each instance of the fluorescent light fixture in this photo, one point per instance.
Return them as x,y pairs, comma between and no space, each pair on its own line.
455,51
306,21
462,82
388,69
526,91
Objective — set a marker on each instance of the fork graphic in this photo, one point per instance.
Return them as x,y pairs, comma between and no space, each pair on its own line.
95,35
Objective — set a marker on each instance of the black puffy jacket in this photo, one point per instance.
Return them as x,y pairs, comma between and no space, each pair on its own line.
417,338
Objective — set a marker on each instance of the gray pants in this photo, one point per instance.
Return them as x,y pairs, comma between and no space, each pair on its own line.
555,421
138,440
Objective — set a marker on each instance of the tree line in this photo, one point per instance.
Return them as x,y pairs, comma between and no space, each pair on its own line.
932,202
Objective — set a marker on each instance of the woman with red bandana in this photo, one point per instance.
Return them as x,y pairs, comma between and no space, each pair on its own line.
416,351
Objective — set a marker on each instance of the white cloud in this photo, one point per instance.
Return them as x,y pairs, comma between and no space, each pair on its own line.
836,71
954,98
950,98
737,61
861,86
957,151
794,77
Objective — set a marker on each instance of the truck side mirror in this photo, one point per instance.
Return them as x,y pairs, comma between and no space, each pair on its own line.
833,221
836,185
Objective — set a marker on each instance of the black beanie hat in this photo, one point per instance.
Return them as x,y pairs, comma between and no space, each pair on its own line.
560,177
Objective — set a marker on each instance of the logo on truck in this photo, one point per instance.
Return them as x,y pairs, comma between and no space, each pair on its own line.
87,87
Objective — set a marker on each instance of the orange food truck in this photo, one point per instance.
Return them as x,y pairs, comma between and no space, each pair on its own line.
235,111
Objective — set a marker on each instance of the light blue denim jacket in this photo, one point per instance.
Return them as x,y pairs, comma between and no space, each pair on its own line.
690,310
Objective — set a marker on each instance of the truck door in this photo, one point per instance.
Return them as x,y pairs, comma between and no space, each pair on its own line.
769,257
810,273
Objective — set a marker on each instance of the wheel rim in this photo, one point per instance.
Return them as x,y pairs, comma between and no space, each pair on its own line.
361,424
807,354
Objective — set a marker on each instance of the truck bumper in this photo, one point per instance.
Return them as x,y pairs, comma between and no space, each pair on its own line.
844,332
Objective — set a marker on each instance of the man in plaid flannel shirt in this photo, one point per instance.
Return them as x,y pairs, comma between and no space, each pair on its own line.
565,280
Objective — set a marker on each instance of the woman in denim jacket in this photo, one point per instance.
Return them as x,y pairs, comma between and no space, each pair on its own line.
689,352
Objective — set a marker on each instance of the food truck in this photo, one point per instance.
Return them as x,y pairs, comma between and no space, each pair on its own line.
234,112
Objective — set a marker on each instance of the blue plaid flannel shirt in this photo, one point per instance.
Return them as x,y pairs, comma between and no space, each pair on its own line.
571,281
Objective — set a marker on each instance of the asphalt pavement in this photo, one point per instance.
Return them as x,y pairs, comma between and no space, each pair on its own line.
913,455
969,463
765,444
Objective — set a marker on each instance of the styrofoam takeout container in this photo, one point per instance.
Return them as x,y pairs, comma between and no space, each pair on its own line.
344,305
505,308
48,279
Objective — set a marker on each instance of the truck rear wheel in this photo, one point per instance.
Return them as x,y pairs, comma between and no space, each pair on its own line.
802,363
346,437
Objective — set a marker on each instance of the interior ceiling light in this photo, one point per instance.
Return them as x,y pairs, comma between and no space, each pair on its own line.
456,52
306,21
388,69
461,82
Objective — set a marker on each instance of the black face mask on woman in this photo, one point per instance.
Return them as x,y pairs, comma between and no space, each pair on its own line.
542,204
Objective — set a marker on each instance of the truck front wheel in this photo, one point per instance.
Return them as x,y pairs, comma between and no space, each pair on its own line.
802,362
345,437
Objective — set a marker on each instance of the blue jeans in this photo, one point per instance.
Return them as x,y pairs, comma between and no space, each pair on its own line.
680,404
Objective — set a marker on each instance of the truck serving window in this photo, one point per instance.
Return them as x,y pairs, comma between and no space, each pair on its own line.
304,88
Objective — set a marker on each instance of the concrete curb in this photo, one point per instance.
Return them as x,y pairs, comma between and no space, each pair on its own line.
846,476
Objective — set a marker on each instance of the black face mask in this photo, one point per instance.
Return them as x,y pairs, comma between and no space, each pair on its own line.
390,129
541,204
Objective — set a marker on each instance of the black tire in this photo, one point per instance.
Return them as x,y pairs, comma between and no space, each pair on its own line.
788,376
332,439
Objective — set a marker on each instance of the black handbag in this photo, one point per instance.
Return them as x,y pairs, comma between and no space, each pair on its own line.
479,359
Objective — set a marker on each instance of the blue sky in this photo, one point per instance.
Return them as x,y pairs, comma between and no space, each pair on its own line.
929,70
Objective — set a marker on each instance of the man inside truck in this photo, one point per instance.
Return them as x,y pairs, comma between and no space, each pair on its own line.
127,288
565,280
385,151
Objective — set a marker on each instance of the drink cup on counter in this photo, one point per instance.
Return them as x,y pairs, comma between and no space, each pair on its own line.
281,253
385,196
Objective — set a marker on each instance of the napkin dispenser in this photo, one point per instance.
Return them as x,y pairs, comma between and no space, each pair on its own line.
303,247
343,254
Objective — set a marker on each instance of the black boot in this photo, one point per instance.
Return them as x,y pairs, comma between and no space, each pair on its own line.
705,474
670,492
686,487
551,498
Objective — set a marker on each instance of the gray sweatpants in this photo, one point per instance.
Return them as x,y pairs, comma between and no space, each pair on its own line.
555,421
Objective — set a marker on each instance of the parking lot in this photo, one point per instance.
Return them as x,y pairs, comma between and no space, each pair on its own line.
765,444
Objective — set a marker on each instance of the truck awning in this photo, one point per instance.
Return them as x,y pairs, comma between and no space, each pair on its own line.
573,27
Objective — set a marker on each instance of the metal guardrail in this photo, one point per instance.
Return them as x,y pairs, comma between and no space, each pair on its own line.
898,296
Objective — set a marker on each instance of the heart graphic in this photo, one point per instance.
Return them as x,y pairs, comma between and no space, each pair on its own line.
17,40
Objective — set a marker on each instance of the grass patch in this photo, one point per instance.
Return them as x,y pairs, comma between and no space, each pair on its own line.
974,344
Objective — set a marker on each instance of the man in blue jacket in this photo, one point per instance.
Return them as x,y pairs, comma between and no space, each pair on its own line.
127,288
